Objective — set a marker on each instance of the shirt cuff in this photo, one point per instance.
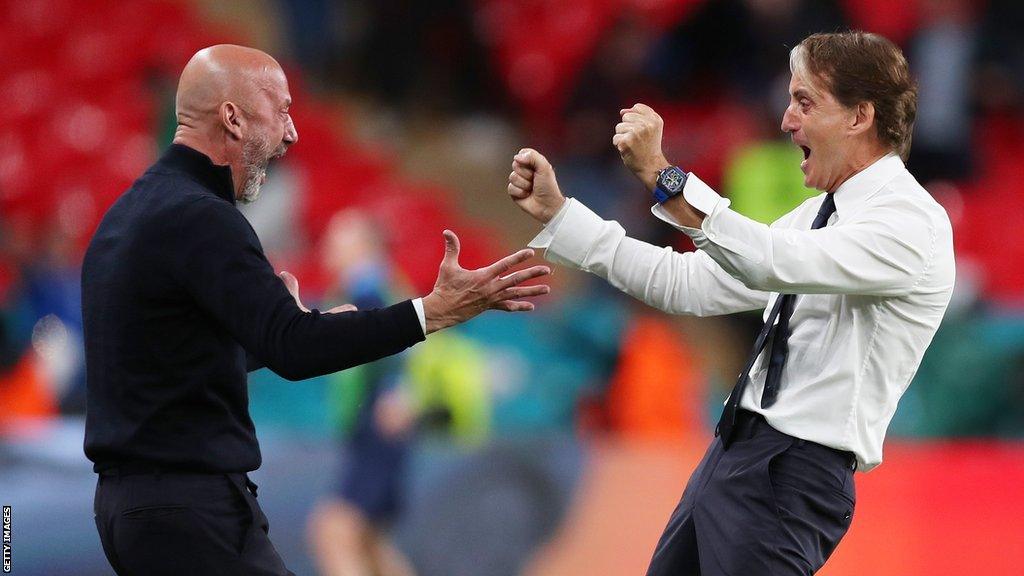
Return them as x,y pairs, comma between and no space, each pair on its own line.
543,240
703,198
417,305
661,214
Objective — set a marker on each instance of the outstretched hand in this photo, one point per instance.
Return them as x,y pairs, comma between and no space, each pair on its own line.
292,284
460,294
533,187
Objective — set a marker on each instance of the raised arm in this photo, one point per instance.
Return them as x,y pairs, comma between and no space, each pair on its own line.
688,283
885,249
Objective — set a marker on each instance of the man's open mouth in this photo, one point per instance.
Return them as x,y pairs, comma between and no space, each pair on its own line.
807,152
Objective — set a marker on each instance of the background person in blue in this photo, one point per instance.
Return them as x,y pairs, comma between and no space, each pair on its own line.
348,529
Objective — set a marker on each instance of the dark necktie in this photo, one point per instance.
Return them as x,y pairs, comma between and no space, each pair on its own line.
778,332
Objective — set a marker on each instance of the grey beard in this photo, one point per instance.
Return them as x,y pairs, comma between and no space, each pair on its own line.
251,189
255,160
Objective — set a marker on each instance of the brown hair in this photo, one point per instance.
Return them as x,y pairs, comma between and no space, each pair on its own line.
860,67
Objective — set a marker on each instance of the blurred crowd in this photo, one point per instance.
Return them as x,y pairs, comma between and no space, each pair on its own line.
89,103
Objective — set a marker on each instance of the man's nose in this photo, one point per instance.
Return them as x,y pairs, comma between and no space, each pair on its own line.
291,135
789,122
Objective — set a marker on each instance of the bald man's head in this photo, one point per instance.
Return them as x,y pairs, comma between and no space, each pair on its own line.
232,105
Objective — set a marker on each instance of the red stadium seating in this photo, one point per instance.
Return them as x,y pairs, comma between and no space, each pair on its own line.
85,80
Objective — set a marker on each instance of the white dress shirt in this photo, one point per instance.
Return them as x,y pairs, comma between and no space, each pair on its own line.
873,285
417,305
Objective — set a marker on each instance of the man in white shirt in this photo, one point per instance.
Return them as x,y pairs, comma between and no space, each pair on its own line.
854,283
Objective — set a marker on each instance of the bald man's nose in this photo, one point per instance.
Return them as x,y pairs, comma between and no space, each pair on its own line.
291,135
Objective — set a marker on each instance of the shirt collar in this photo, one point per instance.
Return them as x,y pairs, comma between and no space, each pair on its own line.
215,178
865,183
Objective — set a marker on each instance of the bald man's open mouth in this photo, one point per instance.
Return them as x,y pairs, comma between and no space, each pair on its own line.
278,153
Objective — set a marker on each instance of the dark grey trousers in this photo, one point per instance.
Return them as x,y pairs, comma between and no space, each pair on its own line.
770,505
175,524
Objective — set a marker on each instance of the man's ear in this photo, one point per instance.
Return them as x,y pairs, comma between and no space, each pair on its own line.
862,119
231,119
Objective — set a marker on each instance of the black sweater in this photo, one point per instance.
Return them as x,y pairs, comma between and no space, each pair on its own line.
177,300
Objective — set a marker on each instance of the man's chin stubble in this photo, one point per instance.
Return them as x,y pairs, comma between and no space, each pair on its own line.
252,188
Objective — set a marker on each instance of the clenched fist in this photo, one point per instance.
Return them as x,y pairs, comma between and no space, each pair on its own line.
638,140
533,187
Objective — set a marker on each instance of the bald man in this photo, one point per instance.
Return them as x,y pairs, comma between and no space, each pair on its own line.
179,302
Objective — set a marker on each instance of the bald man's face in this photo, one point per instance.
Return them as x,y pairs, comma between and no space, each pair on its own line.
270,130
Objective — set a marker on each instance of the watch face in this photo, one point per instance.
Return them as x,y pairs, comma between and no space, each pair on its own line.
673,179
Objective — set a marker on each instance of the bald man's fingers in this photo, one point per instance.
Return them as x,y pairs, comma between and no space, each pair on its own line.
508,262
513,306
516,292
291,283
521,276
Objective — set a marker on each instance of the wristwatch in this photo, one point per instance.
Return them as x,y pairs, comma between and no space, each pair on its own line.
671,181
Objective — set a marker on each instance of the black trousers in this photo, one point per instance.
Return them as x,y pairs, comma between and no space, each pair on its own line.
155,524
770,505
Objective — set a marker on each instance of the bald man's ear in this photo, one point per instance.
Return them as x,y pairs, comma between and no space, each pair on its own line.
231,119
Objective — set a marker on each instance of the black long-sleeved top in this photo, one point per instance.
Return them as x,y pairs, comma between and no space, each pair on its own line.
176,291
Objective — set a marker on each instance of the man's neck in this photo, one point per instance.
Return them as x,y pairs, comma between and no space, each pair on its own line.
202,144
859,162
217,154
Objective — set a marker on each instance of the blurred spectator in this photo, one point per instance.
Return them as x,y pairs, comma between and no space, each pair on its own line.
311,26
348,530
489,511
735,46
1000,82
657,391
764,181
943,403
421,55
616,77
942,54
